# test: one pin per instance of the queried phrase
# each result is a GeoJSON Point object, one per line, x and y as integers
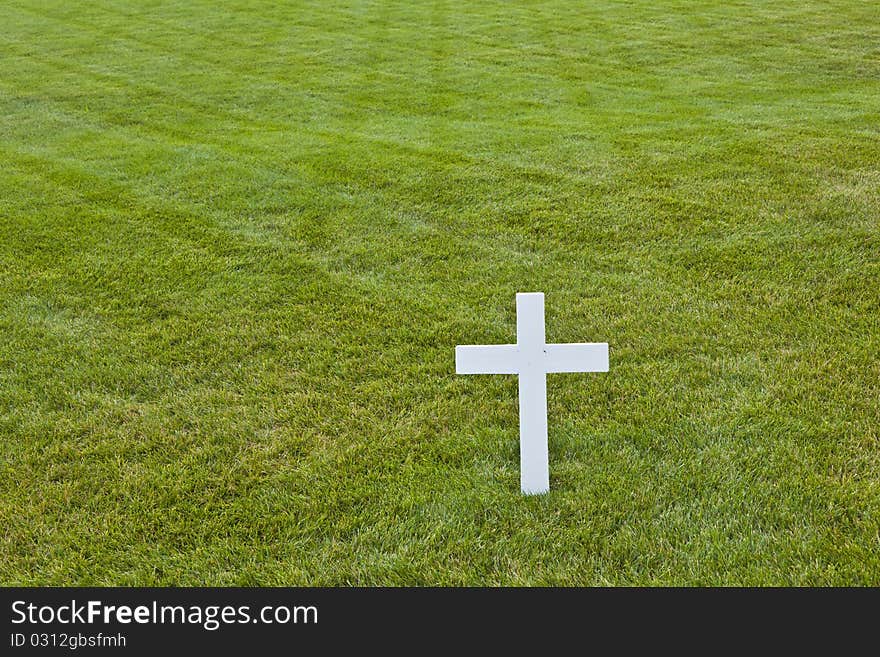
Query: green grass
{"type": "Point", "coordinates": [240, 241]}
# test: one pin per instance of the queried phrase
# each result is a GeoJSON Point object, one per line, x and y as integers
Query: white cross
{"type": "Point", "coordinates": [532, 358]}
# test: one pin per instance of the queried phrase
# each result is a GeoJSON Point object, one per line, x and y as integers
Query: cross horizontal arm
{"type": "Point", "coordinates": [577, 357]}
{"type": "Point", "coordinates": [487, 359]}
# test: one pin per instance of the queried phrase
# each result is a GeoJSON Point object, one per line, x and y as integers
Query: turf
{"type": "Point", "coordinates": [239, 242]}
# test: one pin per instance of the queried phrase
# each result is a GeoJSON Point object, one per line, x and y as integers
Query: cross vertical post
{"type": "Point", "coordinates": [534, 473]}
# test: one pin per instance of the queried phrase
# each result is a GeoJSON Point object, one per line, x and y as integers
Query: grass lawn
{"type": "Point", "coordinates": [240, 241]}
